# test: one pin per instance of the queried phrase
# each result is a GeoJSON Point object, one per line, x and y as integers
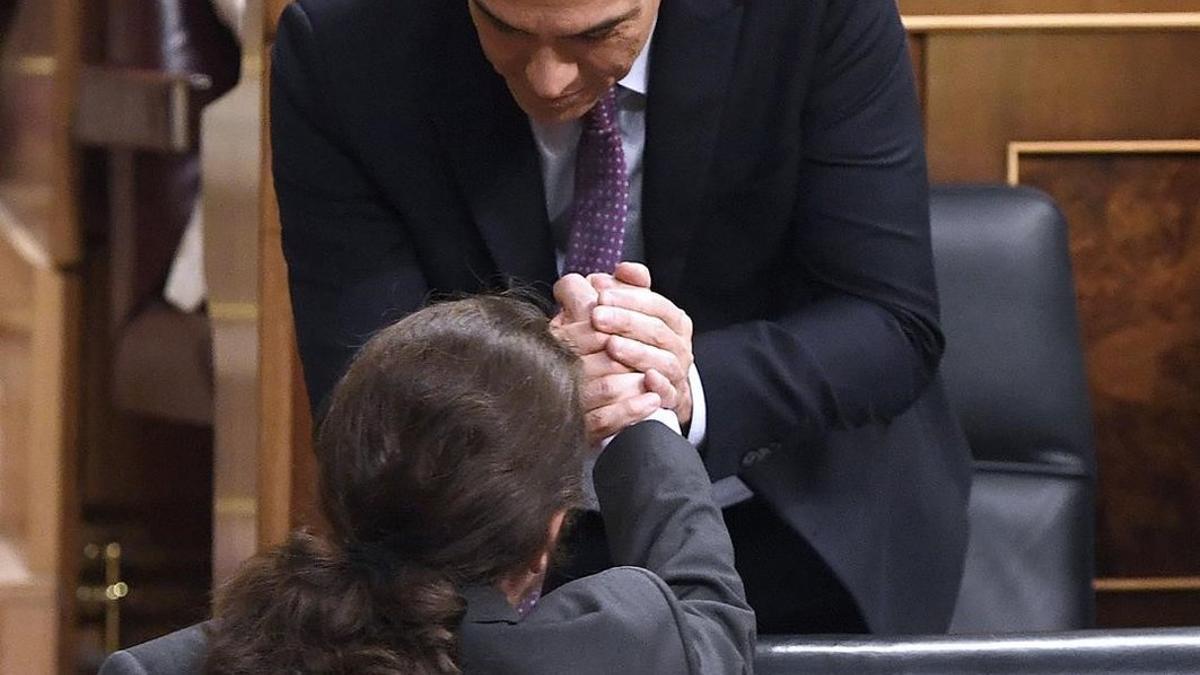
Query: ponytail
{"type": "Point", "coordinates": [452, 440]}
{"type": "Point", "coordinates": [312, 606]}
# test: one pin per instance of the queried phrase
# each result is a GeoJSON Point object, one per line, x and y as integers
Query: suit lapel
{"type": "Point", "coordinates": [690, 65]}
{"type": "Point", "coordinates": [494, 159]}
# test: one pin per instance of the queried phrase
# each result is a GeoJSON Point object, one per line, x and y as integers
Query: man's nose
{"type": "Point", "coordinates": [549, 74]}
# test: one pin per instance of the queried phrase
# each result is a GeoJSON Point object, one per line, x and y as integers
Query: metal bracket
{"type": "Point", "coordinates": [137, 109]}
{"type": "Point", "coordinates": [110, 594]}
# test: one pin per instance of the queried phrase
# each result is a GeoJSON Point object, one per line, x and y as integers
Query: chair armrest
{"type": "Point", "coordinates": [1167, 650]}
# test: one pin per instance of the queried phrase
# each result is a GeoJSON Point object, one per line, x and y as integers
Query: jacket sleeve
{"type": "Point", "coordinates": [351, 266]}
{"type": "Point", "coordinates": [863, 349]}
{"type": "Point", "coordinates": [656, 500]}
{"type": "Point", "coordinates": [122, 663]}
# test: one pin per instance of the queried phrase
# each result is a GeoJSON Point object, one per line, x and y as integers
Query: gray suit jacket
{"type": "Point", "coordinates": [676, 604]}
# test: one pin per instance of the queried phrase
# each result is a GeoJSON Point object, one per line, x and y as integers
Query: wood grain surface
{"type": "Point", "coordinates": [1135, 246]}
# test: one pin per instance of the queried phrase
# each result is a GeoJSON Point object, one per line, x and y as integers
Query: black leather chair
{"type": "Point", "coordinates": [1164, 650]}
{"type": "Point", "coordinates": [1013, 369]}
{"type": "Point", "coordinates": [1014, 372]}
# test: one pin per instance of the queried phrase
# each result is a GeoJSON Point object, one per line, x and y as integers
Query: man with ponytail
{"type": "Point", "coordinates": [449, 464]}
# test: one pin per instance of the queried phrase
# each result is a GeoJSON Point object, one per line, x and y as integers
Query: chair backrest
{"type": "Point", "coordinates": [1146, 652]}
{"type": "Point", "coordinates": [1014, 372]}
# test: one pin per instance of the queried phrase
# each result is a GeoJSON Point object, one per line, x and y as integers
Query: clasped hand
{"type": "Point", "coordinates": [636, 347]}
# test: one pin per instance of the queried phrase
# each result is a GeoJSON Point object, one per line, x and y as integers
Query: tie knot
{"type": "Point", "coordinates": [602, 117]}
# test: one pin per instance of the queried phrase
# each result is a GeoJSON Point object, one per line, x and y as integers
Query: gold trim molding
{"type": "Point", "coordinates": [1052, 22]}
{"type": "Point", "coordinates": [1151, 147]}
{"type": "Point", "coordinates": [1146, 584]}
{"type": "Point", "coordinates": [238, 507]}
{"type": "Point", "coordinates": [233, 311]}
{"type": "Point", "coordinates": [33, 66]}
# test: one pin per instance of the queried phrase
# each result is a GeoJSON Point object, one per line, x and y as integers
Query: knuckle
{"type": "Point", "coordinates": [590, 395]}
{"type": "Point", "coordinates": [595, 419]}
{"type": "Point", "coordinates": [665, 337]}
{"type": "Point", "coordinates": [631, 407]}
{"type": "Point", "coordinates": [612, 367]}
{"type": "Point", "coordinates": [605, 388]}
{"type": "Point", "coordinates": [619, 349]}
{"type": "Point", "coordinates": [685, 323]}
{"type": "Point", "coordinates": [676, 369]}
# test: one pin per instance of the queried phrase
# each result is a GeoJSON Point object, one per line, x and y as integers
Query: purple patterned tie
{"type": "Point", "coordinates": [601, 193]}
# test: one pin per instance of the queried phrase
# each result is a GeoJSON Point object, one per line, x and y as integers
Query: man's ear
{"type": "Point", "coordinates": [542, 562]}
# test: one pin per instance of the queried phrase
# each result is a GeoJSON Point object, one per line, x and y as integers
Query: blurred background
{"type": "Point", "coordinates": [153, 424]}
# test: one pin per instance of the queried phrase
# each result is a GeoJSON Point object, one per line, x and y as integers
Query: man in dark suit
{"type": "Point", "coordinates": [775, 187]}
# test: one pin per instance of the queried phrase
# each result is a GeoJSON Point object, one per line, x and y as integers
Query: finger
{"type": "Point", "coordinates": [580, 337]}
{"type": "Point", "coordinates": [608, 420]}
{"type": "Point", "coordinates": [658, 383]}
{"type": "Point", "coordinates": [648, 302]}
{"type": "Point", "coordinates": [600, 281]}
{"type": "Point", "coordinates": [643, 357]}
{"type": "Point", "coordinates": [601, 391]}
{"type": "Point", "coordinates": [633, 273]}
{"type": "Point", "coordinates": [600, 364]}
{"type": "Point", "coordinates": [641, 327]}
{"type": "Point", "coordinates": [603, 281]}
{"type": "Point", "coordinates": [575, 296]}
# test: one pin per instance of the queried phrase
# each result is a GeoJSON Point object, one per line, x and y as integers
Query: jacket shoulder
{"type": "Point", "coordinates": [617, 621]}
{"type": "Point", "coordinates": [180, 653]}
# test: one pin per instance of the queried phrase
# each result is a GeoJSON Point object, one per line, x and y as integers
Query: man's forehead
{"type": "Point", "coordinates": [560, 16]}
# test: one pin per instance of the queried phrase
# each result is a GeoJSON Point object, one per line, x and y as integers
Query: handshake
{"type": "Point", "coordinates": [635, 345]}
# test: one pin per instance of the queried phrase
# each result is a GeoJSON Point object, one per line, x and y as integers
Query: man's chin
{"type": "Point", "coordinates": [546, 113]}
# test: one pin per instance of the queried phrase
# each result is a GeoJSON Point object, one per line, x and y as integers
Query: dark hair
{"type": "Point", "coordinates": [448, 446]}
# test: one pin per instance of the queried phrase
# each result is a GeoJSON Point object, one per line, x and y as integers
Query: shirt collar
{"type": "Point", "coordinates": [637, 79]}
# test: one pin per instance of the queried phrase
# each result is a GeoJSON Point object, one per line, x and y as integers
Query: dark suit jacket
{"type": "Point", "coordinates": [785, 208]}
{"type": "Point", "coordinates": [677, 607]}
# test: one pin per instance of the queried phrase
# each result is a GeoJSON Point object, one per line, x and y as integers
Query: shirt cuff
{"type": "Point", "coordinates": [667, 417]}
{"type": "Point", "coordinates": [699, 426]}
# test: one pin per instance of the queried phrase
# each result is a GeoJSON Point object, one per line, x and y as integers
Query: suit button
{"type": "Point", "coordinates": [757, 455]}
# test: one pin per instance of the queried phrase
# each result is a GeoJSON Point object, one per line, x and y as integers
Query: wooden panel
{"type": "Point", "coordinates": [36, 468]}
{"type": "Point", "coordinates": [1134, 221]}
{"type": "Point", "coordinates": [1148, 609]}
{"type": "Point", "coordinates": [27, 69]}
{"type": "Point", "coordinates": [53, 420]}
{"type": "Point", "coordinates": [39, 325]}
{"type": "Point", "coordinates": [986, 89]}
{"type": "Point", "coordinates": [27, 629]}
{"type": "Point", "coordinates": [288, 468]}
{"type": "Point", "coordinates": [65, 236]}
{"type": "Point", "coordinates": [14, 434]}
{"type": "Point", "coordinates": [273, 9]}
{"type": "Point", "coordinates": [963, 7]}
{"type": "Point", "coordinates": [230, 143]}
{"type": "Point", "coordinates": [16, 326]}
